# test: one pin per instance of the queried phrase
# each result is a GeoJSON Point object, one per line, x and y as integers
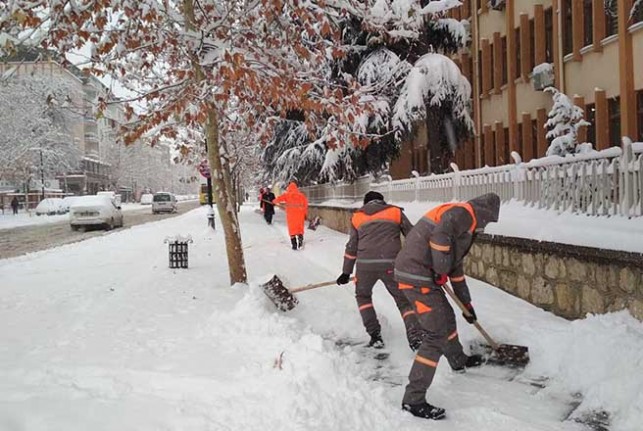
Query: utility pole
{"type": "Point", "coordinates": [209, 193]}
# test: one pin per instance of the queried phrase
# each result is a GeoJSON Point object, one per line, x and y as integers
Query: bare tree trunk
{"type": "Point", "coordinates": [220, 171]}
{"type": "Point", "coordinates": [225, 202]}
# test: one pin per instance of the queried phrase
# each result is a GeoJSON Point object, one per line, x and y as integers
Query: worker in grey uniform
{"type": "Point", "coordinates": [373, 245]}
{"type": "Point", "coordinates": [434, 252]}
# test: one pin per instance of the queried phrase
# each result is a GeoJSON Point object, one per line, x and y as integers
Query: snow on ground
{"type": "Point", "coordinates": [122, 342]}
{"type": "Point", "coordinates": [518, 220]}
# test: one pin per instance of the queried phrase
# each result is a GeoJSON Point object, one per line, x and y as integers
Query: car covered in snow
{"type": "Point", "coordinates": [100, 210]}
{"type": "Point", "coordinates": [67, 202]}
{"type": "Point", "coordinates": [50, 206]}
{"type": "Point", "coordinates": [163, 202]}
{"type": "Point", "coordinates": [147, 198]}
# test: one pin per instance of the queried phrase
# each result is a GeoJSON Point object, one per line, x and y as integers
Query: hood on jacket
{"type": "Point", "coordinates": [374, 206]}
{"type": "Point", "coordinates": [486, 208]}
{"type": "Point", "coordinates": [292, 187]}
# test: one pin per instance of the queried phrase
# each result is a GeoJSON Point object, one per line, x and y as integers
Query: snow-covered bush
{"type": "Point", "coordinates": [565, 119]}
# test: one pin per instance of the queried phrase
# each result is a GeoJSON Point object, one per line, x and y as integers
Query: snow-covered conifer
{"type": "Point", "coordinates": [565, 119]}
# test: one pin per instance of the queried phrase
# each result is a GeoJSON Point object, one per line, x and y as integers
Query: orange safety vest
{"type": "Point", "coordinates": [435, 215]}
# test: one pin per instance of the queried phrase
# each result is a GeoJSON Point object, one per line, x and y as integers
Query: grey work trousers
{"type": "Point", "coordinates": [364, 283]}
{"type": "Point", "coordinates": [437, 319]}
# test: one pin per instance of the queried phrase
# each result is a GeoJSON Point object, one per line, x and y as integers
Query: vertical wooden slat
{"type": "Point", "coordinates": [582, 132]}
{"type": "Point", "coordinates": [598, 20]}
{"type": "Point", "coordinates": [497, 63]}
{"type": "Point", "coordinates": [626, 75]}
{"type": "Point", "coordinates": [540, 55]}
{"type": "Point", "coordinates": [488, 145]}
{"type": "Point", "coordinates": [577, 28]}
{"type": "Point", "coordinates": [527, 138]}
{"type": "Point", "coordinates": [486, 66]}
{"type": "Point", "coordinates": [484, 7]}
{"type": "Point", "coordinates": [602, 120]}
{"type": "Point", "coordinates": [466, 67]}
{"type": "Point", "coordinates": [541, 120]}
{"type": "Point", "coordinates": [500, 144]}
{"type": "Point", "coordinates": [557, 63]}
{"type": "Point", "coordinates": [511, 73]}
{"type": "Point", "coordinates": [466, 9]}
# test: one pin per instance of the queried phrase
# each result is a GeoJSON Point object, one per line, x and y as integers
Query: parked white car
{"type": "Point", "coordinates": [163, 202]}
{"type": "Point", "coordinates": [147, 198]}
{"type": "Point", "coordinates": [50, 206]}
{"type": "Point", "coordinates": [68, 202]}
{"type": "Point", "coordinates": [113, 195]}
{"type": "Point", "coordinates": [100, 210]}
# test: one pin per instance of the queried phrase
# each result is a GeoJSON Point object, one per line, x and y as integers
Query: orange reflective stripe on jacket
{"type": "Point", "coordinates": [390, 215]}
{"type": "Point", "coordinates": [436, 213]}
{"type": "Point", "coordinates": [426, 361]}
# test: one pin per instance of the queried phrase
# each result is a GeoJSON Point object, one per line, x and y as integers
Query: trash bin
{"type": "Point", "coordinates": [178, 249]}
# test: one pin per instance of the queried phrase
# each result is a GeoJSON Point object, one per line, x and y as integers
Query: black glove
{"type": "Point", "coordinates": [343, 279]}
{"type": "Point", "coordinates": [440, 279]}
{"type": "Point", "coordinates": [472, 318]}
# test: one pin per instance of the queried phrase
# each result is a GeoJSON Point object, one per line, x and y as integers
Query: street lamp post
{"type": "Point", "coordinates": [42, 175]}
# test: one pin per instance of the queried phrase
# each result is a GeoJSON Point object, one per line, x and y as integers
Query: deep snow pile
{"type": "Point", "coordinates": [101, 335]}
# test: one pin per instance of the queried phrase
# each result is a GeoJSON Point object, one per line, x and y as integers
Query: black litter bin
{"type": "Point", "coordinates": [178, 249]}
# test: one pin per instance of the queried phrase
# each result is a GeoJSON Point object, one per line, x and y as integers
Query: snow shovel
{"type": "Point", "coordinates": [282, 297]}
{"type": "Point", "coordinates": [500, 354]}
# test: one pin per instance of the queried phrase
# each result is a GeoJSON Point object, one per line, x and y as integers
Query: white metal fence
{"type": "Point", "coordinates": [602, 183]}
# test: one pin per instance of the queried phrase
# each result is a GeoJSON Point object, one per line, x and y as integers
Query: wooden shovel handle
{"type": "Point", "coordinates": [467, 313]}
{"type": "Point", "coordinates": [315, 286]}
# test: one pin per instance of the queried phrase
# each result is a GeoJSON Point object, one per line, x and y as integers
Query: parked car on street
{"type": "Point", "coordinates": [113, 195]}
{"type": "Point", "coordinates": [68, 202]}
{"type": "Point", "coordinates": [146, 199]}
{"type": "Point", "coordinates": [99, 210]}
{"type": "Point", "coordinates": [50, 206]}
{"type": "Point", "coordinates": [163, 202]}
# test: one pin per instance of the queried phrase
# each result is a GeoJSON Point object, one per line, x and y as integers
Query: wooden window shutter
{"type": "Point", "coordinates": [527, 138]}
{"type": "Point", "coordinates": [578, 26]}
{"type": "Point", "coordinates": [500, 144]}
{"type": "Point", "coordinates": [488, 145]}
{"type": "Point", "coordinates": [541, 120]}
{"type": "Point", "coordinates": [582, 132]}
{"type": "Point", "coordinates": [486, 66]}
{"type": "Point", "coordinates": [598, 11]}
{"type": "Point", "coordinates": [525, 47]}
{"type": "Point", "coordinates": [541, 41]}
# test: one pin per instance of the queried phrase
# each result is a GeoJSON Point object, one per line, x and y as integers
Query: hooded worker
{"type": "Point", "coordinates": [373, 244]}
{"type": "Point", "coordinates": [432, 254]}
{"type": "Point", "coordinates": [296, 206]}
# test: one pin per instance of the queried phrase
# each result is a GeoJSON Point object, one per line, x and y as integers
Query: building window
{"type": "Point", "coordinates": [517, 53]}
{"type": "Point", "coordinates": [568, 30]}
{"type": "Point", "coordinates": [588, 16]}
{"type": "Point", "coordinates": [534, 139]}
{"type": "Point", "coordinates": [532, 45]}
{"type": "Point", "coordinates": [640, 113]}
{"type": "Point", "coordinates": [503, 60]}
{"type": "Point", "coordinates": [611, 17]}
{"type": "Point", "coordinates": [590, 115]}
{"type": "Point", "coordinates": [549, 36]}
{"type": "Point", "coordinates": [614, 110]}
{"type": "Point", "coordinates": [637, 13]}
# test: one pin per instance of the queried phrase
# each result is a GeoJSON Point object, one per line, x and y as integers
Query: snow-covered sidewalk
{"type": "Point", "coordinates": [102, 335]}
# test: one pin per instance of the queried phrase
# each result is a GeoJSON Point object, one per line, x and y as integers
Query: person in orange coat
{"type": "Point", "coordinates": [296, 206]}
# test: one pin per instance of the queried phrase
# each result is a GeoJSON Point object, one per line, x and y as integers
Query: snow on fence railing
{"type": "Point", "coordinates": [607, 182]}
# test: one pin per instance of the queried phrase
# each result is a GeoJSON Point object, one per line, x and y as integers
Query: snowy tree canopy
{"type": "Point", "coordinates": [565, 119]}
{"type": "Point", "coordinates": [37, 113]}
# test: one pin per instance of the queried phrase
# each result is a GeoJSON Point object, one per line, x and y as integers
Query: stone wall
{"type": "Point", "coordinates": [569, 281]}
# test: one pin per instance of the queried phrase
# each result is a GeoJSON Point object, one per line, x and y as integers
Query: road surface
{"type": "Point", "coordinates": [27, 239]}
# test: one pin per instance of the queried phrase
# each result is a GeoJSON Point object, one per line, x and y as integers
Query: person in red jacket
{"type": "Point", "coordinates": [296, 206]}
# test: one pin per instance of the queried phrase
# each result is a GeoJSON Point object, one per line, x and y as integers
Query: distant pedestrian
{"type": "Point", "coordinates": [14, 205]}
{"type": "Point", "coordinates": [296, 211]}
{"type": "Point", "coordinates": [268, 206]}
{"type": "Point", "coordinates": [261, 198]}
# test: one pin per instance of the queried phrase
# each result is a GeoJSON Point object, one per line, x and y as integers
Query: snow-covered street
{"type": "Point", "coordinates": [102, 335]}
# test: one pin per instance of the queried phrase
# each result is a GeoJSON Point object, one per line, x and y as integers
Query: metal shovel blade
{"type": "Point", "coordinates": [509, 355]}
{"type": "Point", "coordinates": [279, 294]}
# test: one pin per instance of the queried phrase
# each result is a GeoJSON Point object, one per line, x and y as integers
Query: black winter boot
{"type": "Point", "coordinates": [300, 241]}
{"type": "Point", "coordinates": [376, 341]}
{"type": "Point", "coordinates": [293, 241]}
{"type": "Point", "coordinates": [425, 410]}
{"type": "Point", "coordinates": [472, 361]}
